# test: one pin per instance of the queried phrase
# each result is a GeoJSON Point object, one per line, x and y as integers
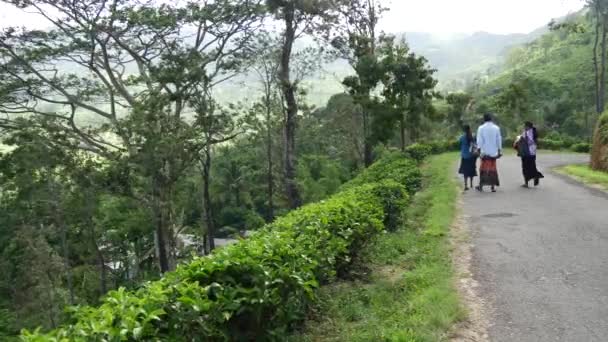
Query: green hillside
{"type": "Point", "coordinates": [549, 80]}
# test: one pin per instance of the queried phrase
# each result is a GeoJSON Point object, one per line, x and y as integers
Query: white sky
{"type": "Point", "coordinates": [468, 16]}
{"type": "Point", "coordinates": [434, 16]}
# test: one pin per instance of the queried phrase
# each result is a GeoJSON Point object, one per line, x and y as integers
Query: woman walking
{"type": "Point", "coordinates": [526, 145]}
{"type": "Point", "coordinates": [468, 154]}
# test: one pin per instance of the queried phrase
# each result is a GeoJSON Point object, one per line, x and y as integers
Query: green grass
{"type": "Point", "coordinates": [586, 175]}
{"type": "Point", "coordinates": [408, 292]}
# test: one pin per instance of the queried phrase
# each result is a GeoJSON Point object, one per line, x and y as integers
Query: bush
{"type": "Point", "coordinates": [418, 152]}
{"type": "Point", "coordinates": [581, 147]}
{"type": "Point", "coordinates": [507, 143]}
{"type": "Point", "coordinates": [438, 147]}
{"type": "Point", "coordinates": [553, 145]}
{"type": "Point", "coordinates": [395, 166]}
{"type": "Point", "coordinates": [258, 288]}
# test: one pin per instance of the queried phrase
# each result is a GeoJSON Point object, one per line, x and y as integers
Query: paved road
{"type": "Point", "coordinates": [541, 255]}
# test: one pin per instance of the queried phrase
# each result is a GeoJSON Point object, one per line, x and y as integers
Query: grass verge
{"type": "Point", "coordinates": [586, 175]}
{"type": "Point", "coordinates": [407, 293]}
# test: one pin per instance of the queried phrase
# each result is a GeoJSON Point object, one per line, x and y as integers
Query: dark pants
{"type": "Point", "coordinates": [529, 170]}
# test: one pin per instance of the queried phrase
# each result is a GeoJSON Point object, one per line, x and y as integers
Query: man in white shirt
{"type": "Point", "coordinates": [489, 143]}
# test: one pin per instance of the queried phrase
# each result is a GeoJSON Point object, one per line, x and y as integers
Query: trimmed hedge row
{"type": "Point", "coordinates": [420, 151]}
{"type": "Point", "coordinates": [393, 166]}
{"type": "Point", "coordinates": [259, 288]}
{"type": "Point", "coordinates": [556, 145]}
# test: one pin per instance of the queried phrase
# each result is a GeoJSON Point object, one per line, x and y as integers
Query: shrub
{"type": "Point", "coordinates": [258, 288]}
{"type": "Point", "coordinates": [395, 166]}
{"type": "Point", "coordinates": [581, 147]}
{"type": "Point", "coordinates": [507, 143]}
{"type": "Point", "coordinates": [418, 152]}
{"type": "Point", "coordinates": [566, 140]}
{"type": "Point", "coordinates": [438, 147]}
{"type": "Point", "coordinates": [554, 145]}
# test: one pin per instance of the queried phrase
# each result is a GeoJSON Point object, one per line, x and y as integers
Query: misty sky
{"type": "Point", "coordinates": [468, 16]}
{"type": "Point", "coordinates": [435, 16]}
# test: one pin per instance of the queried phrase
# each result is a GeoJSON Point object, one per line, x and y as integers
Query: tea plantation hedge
{"type": "Point", "coordinates": [258, 288]}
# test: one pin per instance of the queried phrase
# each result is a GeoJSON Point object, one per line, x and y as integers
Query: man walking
{"type": "Point", "coordinates": [489, 142]}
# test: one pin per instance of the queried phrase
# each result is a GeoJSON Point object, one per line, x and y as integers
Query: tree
{"type": "Point", "coordinates": [340, 127]}
{"type": "Point", "coordinates": [599, 10]}
{"type": "Point", "coordinates": [514, 102]}
{"type": "Point", "coordinates": [459, 104]}
{"type": "Point", "coordinates": [356, 41]}
{"type": "Point", "coordinates": [127, 67]}
{"type": "Point", "coordinates": [408, 86]}
{"type": "Point", "coordinates": [217, 126]}
{"type": "Point", "coordinates": [298, 17]}
{"type": "Point", "coordinates": [267, 68]}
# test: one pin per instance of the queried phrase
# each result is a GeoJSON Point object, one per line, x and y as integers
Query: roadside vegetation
{"type": "Point", "coordinates": [122, 164]}
{"type": "Point", "coordinates": [404, 291]}
{"type": "Point", "coordinates": [587, 175]}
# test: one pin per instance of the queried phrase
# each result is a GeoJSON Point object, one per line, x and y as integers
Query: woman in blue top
{"type": "Point", "coordinates": [468, 153]}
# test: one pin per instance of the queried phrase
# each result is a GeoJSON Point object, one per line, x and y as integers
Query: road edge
{"type": "Point", "coordinates": [475, 327]}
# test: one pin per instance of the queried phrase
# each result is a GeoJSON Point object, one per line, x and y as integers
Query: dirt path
{"type": "Point", "coordinates": [540, 256]}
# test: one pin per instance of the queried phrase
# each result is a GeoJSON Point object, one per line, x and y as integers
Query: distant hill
{"type": "Point", "coordinates": [458, 59]}
{"type": "Point", "coordinates": [554, 73]}
{"type": "Point", "coordinates": [561, 58]}
{"type": "Point", "coordinates": [462, 56]}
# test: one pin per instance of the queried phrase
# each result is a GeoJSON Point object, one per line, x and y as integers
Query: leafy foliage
{"type": "Point", "coordinates": [259, 287]}
{"type": "Point", "coordinates": [599, 153]}
{"type": "Point", "coordinates": [549, 81]}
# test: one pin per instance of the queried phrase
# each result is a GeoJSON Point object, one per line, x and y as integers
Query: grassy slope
{"type": "Point", "coordinates": [586, 175]}
{"type": "Point", "coordinates": [408, 294]}
{"type": "Point", "coordinates": [561, 59]}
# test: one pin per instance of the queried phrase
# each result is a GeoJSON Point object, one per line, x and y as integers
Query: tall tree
{"type": "Point", "coordinates": [267, 69]}
{"type": "Point", "coordinates": [128, 67]}
{"type": "Point", "coordinates": [408, 86]}
{"type": "Point", "coordinates": [459, 105]}
{"type": "Point", "coordinates": [299, 17]}
{"type": "Point", "coordinates": [216, 125]}
{"type": "Point", "coordinates": [356, 42]}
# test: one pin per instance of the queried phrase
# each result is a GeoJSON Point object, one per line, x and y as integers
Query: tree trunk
{"type": "Point", "coordinates": [51, 301]}
{"type": "Point", "coordinates": [161, 224]}
{"type": "Point", "coordinates": [270, 177]}
{"type": "Point", "coordinates": [66, 263]}
{"type": "Point", "coordinates": [207, 209]}
{"type": "Point", "coordinates": [596, 68]}
{"type": "Point", "coordinates": [368, 157]}
{"type": "Point", "coordinates": [402, 130]}
{"type": "Point", "coordinates": [368, 142]}
{"type": "Point", "coordinates": [289, 93]}
{"type": "Point", "coordinates": [237, 195]}
{"type": "Point", "coordinates": [60, 224]}
{"type": "Point", "coordinates": [101, 263]}
{"type": "Point", "coordinates": [602, 87]}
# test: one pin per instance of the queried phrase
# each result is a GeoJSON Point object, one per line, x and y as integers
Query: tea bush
{"type": "Point", "coordinates": [554, 145]}
{"type": "Point", "coordinates": [581, 147]}
{"type": "Point", "coordinates": [395, 166]}
{"type": "Point", "coordinates": [438, 147]}
{"type": "Point", "coordinates": [418, 152]}
{"type": "Point", "coordinates": [258, 288]}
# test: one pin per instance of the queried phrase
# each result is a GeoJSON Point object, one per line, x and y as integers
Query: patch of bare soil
{"type": "Point", "coordinates": [475, 327]}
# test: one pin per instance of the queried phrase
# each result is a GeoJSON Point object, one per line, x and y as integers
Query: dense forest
{"type": "Point", "coordinates": [120, 162]}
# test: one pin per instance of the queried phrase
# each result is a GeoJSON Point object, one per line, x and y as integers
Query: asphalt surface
{"type": "Point", "coordinates": [541, 255]}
